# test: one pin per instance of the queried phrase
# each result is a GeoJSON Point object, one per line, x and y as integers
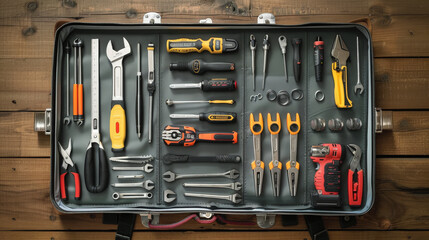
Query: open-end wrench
{"type": "Point", "coordinates": [169, 196]}
{"type": "Point", "coordinates": [146, 168]}
{"type": "Point", "coordinates": [235, 198]}
{"type": "Point", "coordinates": [358, 85]}
{"type": "Point", "coordinates": [67, 119]}
{"type": "Point", "coordinates": [170, 176]}
{"type": "Point", "coordinates": [233, 186]}
{"type": "Point", "coordinates": [117, 195]}
{"type": "Point", "coordinates": [148, 185]}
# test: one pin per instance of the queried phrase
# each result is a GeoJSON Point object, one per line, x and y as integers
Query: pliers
{"type": "Point", "coordinates": [292, 165]}
{"type": "Point", "coordinates": [257, 165]}
{"type": "Point", "coordinates": [340, 54]}
{"type": "Point", "coordinates": [67, 161]}
{"type": "Point", "coordinates": [275, 165]}
{"type": "Point", "coordinates": [355, 177]}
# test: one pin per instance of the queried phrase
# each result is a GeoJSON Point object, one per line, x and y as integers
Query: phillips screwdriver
{"type": "Point", "coordinates": [198, 66]}
{"type": "Point", "coordinates": [212, 117]}
{"type": "Point", "coordinates": [296, 43]}
{"type": "Point", "coordinates": [213, 85]}
{"type": "Point", "coordinates": [139, 96]}
{"type": "Point", "coordinates": [170, 102]}
{"type": "Point", "coordinates": [318, 58]}
{"type": "Point", "coordinates": [173, 158]}
{"type": "Point", "coordinates": [214, 45]}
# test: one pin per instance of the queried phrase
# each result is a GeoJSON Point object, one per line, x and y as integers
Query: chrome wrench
{"type": "Point", "coordinates": [147, 168]}
{"type": "Point", "coordinates": [148, 185]}
{"type": "Point", "coordinates": [233, 186]}
{"type": "Point", "coordinates": [170, 176]}
{"type": "Point", "coordinates": [235, 198]}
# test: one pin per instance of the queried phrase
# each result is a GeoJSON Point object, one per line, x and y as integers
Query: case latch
{"type": "Point", "coordinates": [206, 21]}
{"type": "Point", "coordinates": [152, 18]}
{"type": "Point", "coordinates": [265, 220]}
{"type": "Point", "coordinates": [266, 18]}
{"type": "Point", "coordinates": [152, 218]}
{"type": "Point", "coordinates": [42, 121]}
{"type": "Point", "coordinates": [383, 120]}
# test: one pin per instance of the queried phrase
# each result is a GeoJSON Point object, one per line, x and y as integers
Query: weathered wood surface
{"type": "Point", "coordinates": [399, 31]}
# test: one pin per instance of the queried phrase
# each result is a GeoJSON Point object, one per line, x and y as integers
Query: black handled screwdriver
{"type": "Point", "coordinates": [296, 44]}
{"type": "Point", "coordinates": [318, 58]}
{"type": "Point", "coordinates": [173, 158]}
{"type": "Point", "coordinates": [198, 66]}
{"type": "Point", "coordinates": [211, 117]}
{"type": "Point", "coordinates": [139, 96]}
{"type": "Point", "coordinates": [212, 85]}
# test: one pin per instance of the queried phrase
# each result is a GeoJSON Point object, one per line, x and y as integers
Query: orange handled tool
{"type": "Point", "coordinates": [78, 83]}
{"type": "Point", "coordinates": [188, 136]}
{"type": "Point", "coordinates": [257, 165]}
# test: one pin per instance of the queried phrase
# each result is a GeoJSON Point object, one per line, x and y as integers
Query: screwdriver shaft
{"type": "Point", "coordinates": [185, 85]}
{"type": "Point", "coordinates": [189, 116]}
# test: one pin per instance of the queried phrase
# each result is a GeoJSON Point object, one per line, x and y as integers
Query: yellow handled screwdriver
{"type": "Point", "coordinates": [214, 45]}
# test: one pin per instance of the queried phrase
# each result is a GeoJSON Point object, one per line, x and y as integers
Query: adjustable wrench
{"type": "Point", "coordinates": [117, 113]}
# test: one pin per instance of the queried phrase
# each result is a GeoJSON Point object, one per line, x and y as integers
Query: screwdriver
{"type": "Point", "coordinates": [212, 85]}
{"type": "Point", "coordinates": [296, 43]}
{"type": "Point", "coordinates": [139, 96]}
{"type": "Point", "coordinates": [214, 45]}
{"type": "Point", "coordinates": [198, 66]}
{"type": "Point", "coordinates": [170, 102]}
{"type": "Point", "coordinates": [211, 117]}
{"type": "Point", "coordinates": [318, 58]}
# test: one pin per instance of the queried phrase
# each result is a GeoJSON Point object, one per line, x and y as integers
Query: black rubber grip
{"type": "Point", "coordinates": [139, 104]}
{"type": "Point", "coordinates": [95, 152]}
{"type": "Point", "coordinates": [296, 44]}
{"type": "Point", "coordinates": [318, 58]}
{"type": "Point", "coordinates": [218, 117]}
{"type": "Point", "coordinates": [198, 66]}
{"type": "Point", "coordinates": [214, 85]}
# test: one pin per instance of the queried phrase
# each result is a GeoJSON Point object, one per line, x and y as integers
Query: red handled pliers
{"type": "Point", "coordinates": [355, 177]}
{"type": "Point", "coordinates": [67, 161]}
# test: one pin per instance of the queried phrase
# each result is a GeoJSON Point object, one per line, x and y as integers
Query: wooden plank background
{"type": "Point", "coordinates": [400, 34]}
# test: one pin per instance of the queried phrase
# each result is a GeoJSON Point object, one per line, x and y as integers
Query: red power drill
{"type": "Point", "coordinates": [328, 157]}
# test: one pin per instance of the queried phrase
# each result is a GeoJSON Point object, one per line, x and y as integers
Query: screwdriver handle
{"type": "Point", "coordinates": [218, 84]}
{"type": "Point", "coordinates": [78, 102]}
{"type": "Point", "coordinates": [296, 44]}
{"type": "Point", "coordinates": [318, 58]}
{"type": "Point", "coordinates": [221, 101]}
{"type": "Point", "coordinates": [227, 137]}
{"type": "Point", "coordinates": [224, 158]}
{"type": "Point", "coordinates": [198, 66]}
{"type": "Point", "coordinates": [214, 45]}
{"type": "Point", "coordinates": [218, 117]}
{"type": "Point", "coordinates": [117, 126]}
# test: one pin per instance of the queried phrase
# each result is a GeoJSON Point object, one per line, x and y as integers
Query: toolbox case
{"type": "Point", "coordinates": [308, 108]}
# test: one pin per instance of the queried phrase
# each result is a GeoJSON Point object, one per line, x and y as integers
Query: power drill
{"type": "Point", "coordinates": [327, 180]}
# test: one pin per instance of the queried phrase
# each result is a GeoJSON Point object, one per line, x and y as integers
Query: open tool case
{"type": "Point", "coordinates": [308, 108]}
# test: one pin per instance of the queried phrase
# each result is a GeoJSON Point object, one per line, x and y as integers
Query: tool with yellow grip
{"type": "Point", "coordinates": [292, 165]}
{"type": "Point", "coordinates": [340, 54]}
{"type": "Point", "coordinates": [257, 165]}
{"type": "Point", "coordinates": [275, 165]}
{"type": "Point", "coordinates": [117, 113]}
{"type": "Point", "coordinates": [214, 45]}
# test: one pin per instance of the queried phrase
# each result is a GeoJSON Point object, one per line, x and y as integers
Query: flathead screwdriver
{"type": "Point", "coordinates": [212, 117]}
{"type": "Point", "coordinates": [139, 96]}
{"type": "Point", "coordinates": [212, 85]}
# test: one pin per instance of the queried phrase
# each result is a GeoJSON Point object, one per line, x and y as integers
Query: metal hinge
{"type": "Point", "coordinates": [206, 215]}
{"type": "Point", "coordinates": [152, 218]}
{"type": "Point", "coordinates": [266, 18]}
{"type": "Point", "coordinates": [42, 121]}
{"type": "Point", "coordinates": [383, 120]}
{"type": "Point", "coordinates": [206, 21]}
{"type": "Point", "coordinates": [265, 220]}
{"type": "Point", "coordinates": [152, 18]}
